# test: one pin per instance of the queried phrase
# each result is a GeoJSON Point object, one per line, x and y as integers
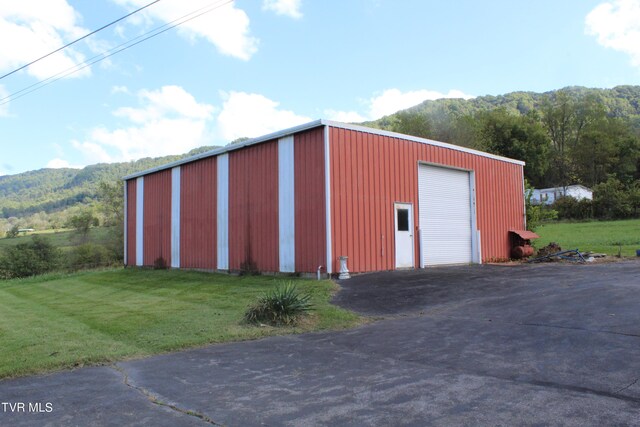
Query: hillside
{"type": "Point", "coordinates": [621, 102]}
{"type": "Point", "coordinates": [54, 190]}
{"type": "Point", "coordinates": [572, 135]}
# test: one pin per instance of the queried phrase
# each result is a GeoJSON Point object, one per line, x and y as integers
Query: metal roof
{"type": "Point", "coordinates": [314, 124]}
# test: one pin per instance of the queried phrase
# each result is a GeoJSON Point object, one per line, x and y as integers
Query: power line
{"type": "Point", "coordinates": [77, 40]}
{"type": "Point", "coordinates": [124, 46]}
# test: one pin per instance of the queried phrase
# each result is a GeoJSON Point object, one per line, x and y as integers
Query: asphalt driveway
{"type": "Point", "coordinates": [476, 345]}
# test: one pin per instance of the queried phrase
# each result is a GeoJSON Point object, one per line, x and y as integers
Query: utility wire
{"type": "Point", "coordinates": [124, 46]}
{"type": "Point", "coordinates": [77, 40]}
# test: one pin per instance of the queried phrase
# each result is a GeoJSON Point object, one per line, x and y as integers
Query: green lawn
{"type": "Point", "coordinates": [595, 236]}
{"type": "Point", "coordinates": [60, 321]}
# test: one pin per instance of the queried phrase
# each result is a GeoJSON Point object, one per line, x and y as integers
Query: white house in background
{"type": "Point", "coordinates": [549, 195]}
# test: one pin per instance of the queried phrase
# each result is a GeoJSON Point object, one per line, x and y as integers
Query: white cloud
{"type": "Point", "coordinates": [169, 121]}
{"type": "Point", "coordinates": [226, 27]}
{"type": "Point", "coordinates": [251, 115]}
{"type": "Point", "coordinates": [35, 28]}
{"type": "Point", "coordinates": [344, 116]}
{"type": "Point", "coordinates": [289, 8]}
{"type": "Point", "coordinates": [616, 25]}
{"type": "Point", "coordinates": [58, 163]}
{"type": "Point", "coordinates": [391, 101]}
{"type": "Point", "coordinates": [120, 89]}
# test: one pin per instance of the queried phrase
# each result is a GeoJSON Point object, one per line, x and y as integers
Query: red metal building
{"type": "Point", "coordinates": [296, 200]}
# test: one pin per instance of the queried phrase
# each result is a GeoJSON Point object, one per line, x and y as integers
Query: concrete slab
{"type": "Point", "coordinates": [473, 345]}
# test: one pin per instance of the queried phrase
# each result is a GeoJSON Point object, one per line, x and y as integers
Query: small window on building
{"type": "Point", "coordinates": [403, 219]}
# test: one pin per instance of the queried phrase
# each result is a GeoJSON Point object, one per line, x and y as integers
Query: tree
{"type": "Point", "coordinates": [13, 231]}
{"type": "Point", "coordinates": [517, 137]}
{"type": "Point", "coordinates": [81, 223]}
{"type": "Point", "coordinates": [111, 197]}
{"type": "Point", "coordinates": [29, 259]}
{"type": "Point", "coordinates": [411, 123]}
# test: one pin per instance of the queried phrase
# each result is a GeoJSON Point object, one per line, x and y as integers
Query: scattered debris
{"type": "Point", "coordinates": [551, 248]}
{"type": "Point", "coordinates": [570, 255]}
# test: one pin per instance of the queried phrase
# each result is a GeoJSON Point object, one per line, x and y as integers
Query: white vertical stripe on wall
{"type": "Point", "coordinates": [327, 192]}
{"type": "Point", "coordinates": [139, 220]}
{"type": "Point", "coordinates": [223, 211]}
{"type": "Point", "coordinates": [175, 217]}
{"type": "Point", "coordinates": [126, 221]}
{"type": "Point", "coordinates": [286, 205]}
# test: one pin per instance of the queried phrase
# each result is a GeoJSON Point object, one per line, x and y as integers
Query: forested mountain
{"type": "Point", "coordinates": [46, 192]}
{"type": "Point", "coordinates": [574, 135]}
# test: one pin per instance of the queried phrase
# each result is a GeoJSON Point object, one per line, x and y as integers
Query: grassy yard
{"type": "Point", "coordinates": [595, 236]}
{"type": "Point", "coordinates": [61, 321]}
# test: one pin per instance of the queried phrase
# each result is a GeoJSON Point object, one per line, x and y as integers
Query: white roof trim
{"type": "Point", "coordinates": [314, 124]}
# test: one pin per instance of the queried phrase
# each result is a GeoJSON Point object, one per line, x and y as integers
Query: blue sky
{"type": "Point", "coordinates": [252, 67]}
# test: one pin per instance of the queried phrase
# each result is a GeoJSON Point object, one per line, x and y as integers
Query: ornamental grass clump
{"type": "Point", "coordinates": [282, 306]}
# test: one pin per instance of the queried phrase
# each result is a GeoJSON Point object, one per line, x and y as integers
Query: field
{"type": "Point", "coordinates": [62, 321]}
{"type": "Point", "coordinates": [59, 238]}
{"type": "Point", "coordinates": [596, 236]}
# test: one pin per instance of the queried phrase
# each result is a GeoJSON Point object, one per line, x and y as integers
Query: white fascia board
{"type": "Point", "coordinates": [315, 124]}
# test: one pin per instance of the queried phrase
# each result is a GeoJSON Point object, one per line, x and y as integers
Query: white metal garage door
{"type": "Point", "coordinates": [445, 215]}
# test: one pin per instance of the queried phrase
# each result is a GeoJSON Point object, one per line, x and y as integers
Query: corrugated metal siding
{"type": "Point", "coordinates": [310, 221]}
{"type": "Point", "coordinates": [198, 187]}
{"type": "Point", "coordinates": [157, 217]}
{"type": "Point", "coordinates": [131, 222]}
{"type": "Point", "coordinates": [370, 172]}
{"type": "Point", "coordinates": [253, 207]}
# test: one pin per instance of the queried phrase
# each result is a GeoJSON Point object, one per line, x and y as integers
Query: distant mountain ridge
{"type": "Point", "coordinates": [50, 190]}
{"type": "Point", "coordinates": [54, 190]}
{"type": "Point", "coordinates": [620, 101]}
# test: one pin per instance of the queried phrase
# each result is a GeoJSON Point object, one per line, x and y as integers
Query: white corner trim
{"type": "Point", "coordinates": [126, 221]}
{"type": "Point", "coordinates": [222, 217]}
{"type": "Point", "coordinates": [286, 205]}
{"type": "Point", "coordinates": [175, 217]}
{"type": "Point", "coordinates": [327, 192]}
{"type": "Point", "coordinates": [140, 221]}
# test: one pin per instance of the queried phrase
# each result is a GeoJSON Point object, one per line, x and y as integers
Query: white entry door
{"type": "Point", "coordinates": [404, 235]}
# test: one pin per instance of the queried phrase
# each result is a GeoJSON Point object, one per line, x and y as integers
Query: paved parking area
{"type": "Point", "coordinates": [473, 345]}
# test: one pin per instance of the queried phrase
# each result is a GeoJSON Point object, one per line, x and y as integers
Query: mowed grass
{"type": "Point", "coordinates": [595, 236]}
{"type": "Point", "coordinates": [62, 321]}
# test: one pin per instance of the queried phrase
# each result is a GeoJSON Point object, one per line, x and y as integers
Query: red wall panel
{"type": "Point", "coordinates": [310, 199]}
{"type": "Point", "coordinates": [370, 172]}
{"type": "Point", "coordinates": [131, 223]}
{"type": "Point", "coordinates": [253, 207]}
{"type": "Point", "coordinates": [198, 227]}
{"type": "Point", "coordinates": [157, 217]}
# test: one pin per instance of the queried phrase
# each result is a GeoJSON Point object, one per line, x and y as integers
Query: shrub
{"type": "Point", "coordinates": [536, 214]}
{"type": "Point", "coordinates": [13, 232]}
{"type": "Point", "coordinates": [89, 255]}
{"type": "Point", "coordinates": [29, 259]}
{"type": "Point", "coordinates": [570, 208]}
{"type": "Point", "coordinates": [281, 306]}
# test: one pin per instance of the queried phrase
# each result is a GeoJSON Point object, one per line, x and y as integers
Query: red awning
{"type": "Point", "coordinates": [525, 234]}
